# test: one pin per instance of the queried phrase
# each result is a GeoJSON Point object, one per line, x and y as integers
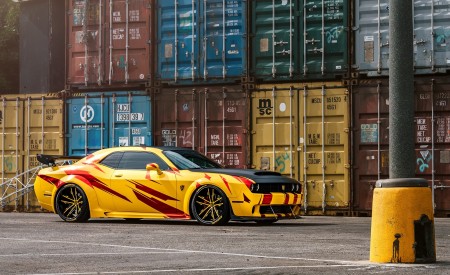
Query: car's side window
{"type": "Point", "coordinates": [112, 160]}
{"type": "Point", "coordinates": [139, 160]}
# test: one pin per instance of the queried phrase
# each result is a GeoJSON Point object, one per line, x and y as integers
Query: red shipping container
{"type": "Point", "coordinates": [371, 138]}
{"type": "Point", "coordinates": [110, 42]}
{"type": "Point", "coordinates": [211, 119]}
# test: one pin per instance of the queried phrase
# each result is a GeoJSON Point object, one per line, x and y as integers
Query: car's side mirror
{"type": "Point", "coordinates": [154, 167]}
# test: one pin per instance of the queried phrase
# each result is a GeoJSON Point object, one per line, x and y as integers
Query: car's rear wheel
{"type": "Point", "coordinates": [71, 204]}
{"type": "Point", "coordinates": [210, 206]}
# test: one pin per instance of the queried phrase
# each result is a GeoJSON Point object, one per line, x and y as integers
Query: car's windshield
{"type": "Point", "coordinates": [185, 159]}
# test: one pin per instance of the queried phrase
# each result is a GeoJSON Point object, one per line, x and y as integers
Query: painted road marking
{"type": "Point", "coordinates": [337, 263]}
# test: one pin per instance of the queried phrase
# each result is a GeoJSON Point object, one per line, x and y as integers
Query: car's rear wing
{"type": "Point", "coordinates": [50, 160]}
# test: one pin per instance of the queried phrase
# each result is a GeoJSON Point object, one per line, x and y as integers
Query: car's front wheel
{"type": "Point", "coordinates": [71, 204]}
{"type": "Point", "coordinates": [210, 206]}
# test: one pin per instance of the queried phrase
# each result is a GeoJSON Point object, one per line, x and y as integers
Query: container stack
{"type": "Point", "coordinates": [370, 98]}
{"type": "Point", "coordinates": [294, 86]}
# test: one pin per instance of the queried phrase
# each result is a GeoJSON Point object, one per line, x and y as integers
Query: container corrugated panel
{"type": "Point", "coordinates": [302, 131]}
{"type": "Point", "coordinates": [98, 120]}
{"type": "Point", "coordinates": [223, 32]}
{"type": "Point", "coordinates": [43, 128]}
{"type": "Point", "coordinates": [12, 145]}
{"type": "Point", "coordinates": [275, 57]}
{"type": "Point", "coordinates": [431, 35]}
{"type": "Point", "coordinates": [201, 41]}
{"type": "Point", "coordinates": [110, 43]}
{"type": "Point", "coordinates": [131, 56]}
{"type": "Point", "coordinates": [371, 151]}
{"type": "Point", "coordinates": [275, 129]}
{"type": "Point", "coordinates": [31, 124]}
{"type": "Point", "coordinates": [84, 61]}
{"type": "Point", "coordinates": [299, 39]}
{"type": "Point", "coordinates": [210, 119]}
{"type": "Point", "coordinates": [325, 141]}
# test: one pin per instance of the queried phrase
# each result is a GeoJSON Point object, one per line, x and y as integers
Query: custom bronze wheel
{"type": "Point", "coordinates": [71, 204]}
{"type": "Point", "coordinates": [209, 206]}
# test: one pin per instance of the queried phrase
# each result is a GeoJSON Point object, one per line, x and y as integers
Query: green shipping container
{"type": "Point", "coordinates": [299, 40]}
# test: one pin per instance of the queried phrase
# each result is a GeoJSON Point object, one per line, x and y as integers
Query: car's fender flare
{"type": "Point", "coordinates": [193, 187]}
{"type": "Point", "coordinates": [94, 207]}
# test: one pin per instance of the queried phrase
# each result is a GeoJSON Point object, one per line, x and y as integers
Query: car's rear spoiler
{"type": "Point", "coordinates": [50, 160]}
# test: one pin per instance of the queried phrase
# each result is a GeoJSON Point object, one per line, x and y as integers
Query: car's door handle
{"type": "Point", "coordinates": [118, 175]}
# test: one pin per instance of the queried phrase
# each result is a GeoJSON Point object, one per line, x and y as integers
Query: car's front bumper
{"type": "Point", "coordinates": [267, 206]}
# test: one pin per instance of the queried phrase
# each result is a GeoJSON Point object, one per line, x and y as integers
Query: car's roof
{"type": "Point", "coordinates": [162, 148]}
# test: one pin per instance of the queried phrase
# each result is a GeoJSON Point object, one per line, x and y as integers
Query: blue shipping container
{"type": "Point", "coordinates": [102, 120]}
{"type": "Point", "coordinates": [201, 41]}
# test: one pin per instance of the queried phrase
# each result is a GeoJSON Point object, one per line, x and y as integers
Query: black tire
{"type": "Point", "coordinates": [209, 206]}
{"type": "Point", "coordinates": [71, 204]}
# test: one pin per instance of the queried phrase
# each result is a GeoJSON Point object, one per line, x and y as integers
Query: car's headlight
{"type": "Point", "coordinates": [248, 182]}
{"type": "Point", "coordinates": [254, 187]}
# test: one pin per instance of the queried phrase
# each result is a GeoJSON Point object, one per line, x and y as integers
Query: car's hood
{"type": "Point", "coordinates": [258, 176]}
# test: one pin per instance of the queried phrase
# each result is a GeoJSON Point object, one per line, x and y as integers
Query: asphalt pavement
{"type": "Point", "coordinates": [41, 243]}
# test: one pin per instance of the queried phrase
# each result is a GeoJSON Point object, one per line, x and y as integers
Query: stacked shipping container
{"type": "Point", "coordinates": [302, 130]}
{"type": "Point", "coordinates": [258, 84]}
{"type": "Point", "coordinates": [210, 119]}
{"type": "Point", "coordinates": [30, 125]}
{"type": "Point", "coordinates": [201, 41]}
{"type": "Point", "coordinates": [110, 43]}
{"type": "Point", "coordinates": [298, 40]}
{"type": "Point", "coordinates": [431, 35]}
{"type": "Point", "coordinates": [371, 147]}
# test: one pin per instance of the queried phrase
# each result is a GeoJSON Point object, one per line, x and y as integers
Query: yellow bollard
{"type": "Point", "coordinates": [402, 222]}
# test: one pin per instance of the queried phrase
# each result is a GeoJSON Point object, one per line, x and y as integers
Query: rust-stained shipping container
{"type": "Point", "coordinates": [210, 119]}
{"type": "Point", "coordinates": [302, 130]}
{"type": "Point", "coordinates": [110, 43]}
{"type": "Point", "coordinates": [30, 125]}
{"type": "Point", "coordinates": [371, 139]}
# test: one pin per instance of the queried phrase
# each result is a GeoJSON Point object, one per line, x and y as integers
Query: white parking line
{"type": "Point", "coordinates": [86, 254]}
{"type": "Point", "coordinates": [198, 269]}
{"type": "Point", "coordinates": [185, 251]}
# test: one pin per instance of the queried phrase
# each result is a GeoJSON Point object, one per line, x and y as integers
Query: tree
{"type": "Point", "coordinates": [9, 47]}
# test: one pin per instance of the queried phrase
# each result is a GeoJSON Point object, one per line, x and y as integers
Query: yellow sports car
{"type": "Point", "coordinates": [163, 182]}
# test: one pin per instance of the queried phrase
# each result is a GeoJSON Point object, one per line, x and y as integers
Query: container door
{"type": "Point", "coordinates": [223, 39]}
{"type": "Point", "coordinates": [440, 55]}
{"type": "Point", "coordinates": [176, 118]}
{"type": "Point", "coordinates": [128, 40]}
{"type": "Point", "coordinates": [85, 37]}
{"type": "Point", "coordinates": [178, 45]}
{"type": "Point", "coordinates": [325, 140]}
{"type": "Point", "coordinates": [87, 119]}
{"type": "Point", "coordinates": [11, 122]}
{"type": "Point", "coordinates": [131, 120]}
{"type": "Point", "coordinates": [224, 125]}
{"type": "Point", "coordinates": [325, 41]}
{"type": "Point", "coordinates": [423, 34]}
{"type": "Point", "coordinates": [372, 37]}
{"type": "Point", "coordinates": [432, 119]}
{"type": "Point", "coordinates": [275, 29]}
{"type": "Point", "coordinates": [371, 152]}
{"type": "Point", "coordinates": [44, 134]}
{"type": "Point", "coordinates": [275, 129]}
